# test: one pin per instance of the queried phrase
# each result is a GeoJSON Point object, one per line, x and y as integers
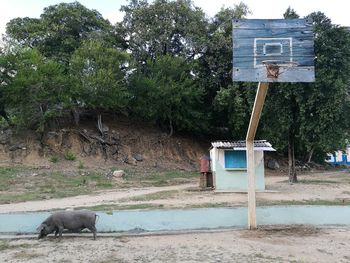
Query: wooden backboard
{"type": "Point", "coordinates": [273, 50]}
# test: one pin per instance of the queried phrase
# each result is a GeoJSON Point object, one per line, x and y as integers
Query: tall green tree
{"type": "Point", "coordinates": [98, 78]}
{"type": "Point", "coordinates": [312, 117]}
{"type": "Point", "coordinates": [36, 88]}
{"type": "Point", "coordinates": [215, 71]}
{"type": "Point", "coordinates": [166, 91]}
{"type": "Point", "coordinates": [161, 28]}
{"type": "Point", "coordinates": [60, 29]}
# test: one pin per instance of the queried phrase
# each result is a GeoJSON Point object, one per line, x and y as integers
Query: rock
{"type": "Point", "coordinates": [273, 164]}
{"type": "Point", "coordinates": [138, 157]}
{"type": "Point", "coordinates": [17, 147]}
{"type": "Point", "coordinates": [118, 174]}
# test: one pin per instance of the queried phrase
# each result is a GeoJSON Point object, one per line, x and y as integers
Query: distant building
{"type": "Point", "coordinates": [229, 165]}
{"type": "Point", "coordinates": [339, 157]}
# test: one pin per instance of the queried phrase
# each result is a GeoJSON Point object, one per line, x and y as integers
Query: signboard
{"type": "Point", "coordinates": [273, 50]}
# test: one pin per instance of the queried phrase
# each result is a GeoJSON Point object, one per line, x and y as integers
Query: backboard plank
{"type": "Point", "coordinates": [284, 41]}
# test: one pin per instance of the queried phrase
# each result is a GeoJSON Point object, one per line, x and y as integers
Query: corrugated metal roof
{"type": "Point", "coordinates": [259, 145]}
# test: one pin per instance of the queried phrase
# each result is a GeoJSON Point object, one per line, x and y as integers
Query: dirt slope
{"type": "Point", "coordinates": [133, 143]}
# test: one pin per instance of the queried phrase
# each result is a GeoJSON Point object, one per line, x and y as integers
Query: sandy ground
{"type": "Point", "coordinates": [326, 186]}
{"type": "Point", "coordinates": [269, 244]}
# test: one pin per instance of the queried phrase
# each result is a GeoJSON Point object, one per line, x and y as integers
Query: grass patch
{"type": "Point", "coordinates": [162, 178]}
{"type": "Point", "coordinates": [313, 181]}
{"type": "Point", "coordinates": [110, 208]}
{"type": "Point", "coordinates": [81, 165]}
{"type": "Point", "coordinates": [18, 185]}
{"type": "Point", "coordinates": [153, 196]}
{"type": "Point", "coordinates": [4, 245]}
{"type": "Point", "coordinates": [317, 182]}
{"type": "Point", "coordinates": [70, 156]}
{"type": "Point", "coordinates": [306, 202]}
{"type": "Point", "coordinates": [54, 159]}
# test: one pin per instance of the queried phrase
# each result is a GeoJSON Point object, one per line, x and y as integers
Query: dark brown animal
{"type": "Point", "coordinates": [74, 221]}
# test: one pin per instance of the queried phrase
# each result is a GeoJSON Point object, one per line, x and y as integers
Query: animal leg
{"type": "Point", "coordinates": [60, 231]}
{"type": "Point", "coordinates": [93, 230]}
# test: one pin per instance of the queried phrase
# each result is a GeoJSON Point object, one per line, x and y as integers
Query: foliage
{"type": "Point", "coordinates": [312, 118]}
{"type": "Point", "coordinates": [174, 69]}
{"type": "Point", "coordinates": [166, 91]}
{"type": "Point", "coordinates": [36, 89]}
{"type": "Point", "coordinates": [98, 77]}
{"type": "Point", "coordinates": [70, 156]}
{"type": "Point", "coordinates": [215, 63]}
{"type": "Point", "coordinates": [161, 28]}
{"type": "Point", "coordinates": [60, 29]}
{"type": "Point", "coordinates": [54, 159]}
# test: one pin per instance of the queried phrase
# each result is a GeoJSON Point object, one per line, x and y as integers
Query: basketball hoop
{"type": "Point", "coordinates": [273, 67]}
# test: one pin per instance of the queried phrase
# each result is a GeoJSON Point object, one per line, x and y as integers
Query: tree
{"type": "Point", "coordinates": [215, 67]}
{"type": "Point", "coordinates": [98, 77]}
{"type": "Point", "coordinates": [161, 28]}
{"type": "Point", "coordinates": [35, 90]}
{"type": "Point", "coordinates": [60, 30]}
{"type": "Point", "coordinates": [166, 91]}
{"type": "Point", "coordinates": [312, 117]}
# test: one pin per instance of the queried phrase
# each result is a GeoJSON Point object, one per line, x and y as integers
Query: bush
{"type": "Point", "coordinates": [70, 156]}
{"type": "Point", "coordinates": [54, 159]}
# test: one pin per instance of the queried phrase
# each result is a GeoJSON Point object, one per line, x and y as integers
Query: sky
{"type": "Point", "coordinates": [334, 9]}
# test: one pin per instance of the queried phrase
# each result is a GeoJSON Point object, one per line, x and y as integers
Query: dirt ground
{"type": "Point", "coordinates": [298, 243]}
{"type": "Point", "coordinates": [269, 244]}
{"type": "Point", "coordinates": [324, 188]}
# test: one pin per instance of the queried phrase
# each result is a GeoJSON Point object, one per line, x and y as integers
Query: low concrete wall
{"type": "Point", "coordinates": [190, 219]}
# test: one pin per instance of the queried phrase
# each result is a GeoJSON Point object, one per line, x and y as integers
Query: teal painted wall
{"type": "Point", "coordinates": [236, 180]}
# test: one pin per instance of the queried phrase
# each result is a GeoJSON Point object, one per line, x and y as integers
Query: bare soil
{"type": "Point", "coordinates": [269, 244]}
{"type": "Point", "coordinates": [159, 152]}
{"type": "Point", "coordinates": [266, 244]}
{"type": "Point", "coordinates": [329, 188]}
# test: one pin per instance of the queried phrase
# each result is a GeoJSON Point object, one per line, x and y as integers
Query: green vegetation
{"type": "Point", "coordinates": [23, 184]}
{"type": "Point", "coordinates": [81, 165]}
{"type": "Point", "coordinates": [337, 201]}
{"type": "Point", "coordinates": [111, 207]}
{"type": "Point", "coordinates": [154, 196]}
{"type": "Point", "coordinates": [161, 178]}
{"type": "Point", "coordinates": [311, 181]}
{"type": "Point", "coordinates": [73, 60]}
{"type": "Point", "coordinates": [54, 159]}
{"type": "Point", "coordinates": [70, 156]}
{"type": "Point", "coordinates": [19, 184]}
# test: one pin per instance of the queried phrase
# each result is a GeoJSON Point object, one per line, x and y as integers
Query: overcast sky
{"type": "Point", "coordinates": [336, 10]}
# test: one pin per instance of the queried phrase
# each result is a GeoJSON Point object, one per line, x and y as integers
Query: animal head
{"type": "Point", "coordinates": [43, 230]}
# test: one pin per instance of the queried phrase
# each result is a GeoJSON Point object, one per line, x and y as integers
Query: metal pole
{"type": "Point", "coordinates": [253, 125]}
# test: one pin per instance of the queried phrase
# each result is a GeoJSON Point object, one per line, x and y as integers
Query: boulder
{"type": "Point", "coordinates": [138, 157]}
{"type": "Point", "coordinates": [118, 174]}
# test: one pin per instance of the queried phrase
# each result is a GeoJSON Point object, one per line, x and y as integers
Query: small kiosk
{"type": "Point", "coordinates": [229, 165]}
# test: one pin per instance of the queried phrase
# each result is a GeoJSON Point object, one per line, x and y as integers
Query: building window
{"type": "Point", "coordinates": [235, 159]}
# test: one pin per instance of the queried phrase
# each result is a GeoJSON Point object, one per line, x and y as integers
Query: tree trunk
{"type": "Point", "coordinates": [100, 125]}
{"type": "Point", "coordinates": [76, 116]}
{"type": "Point", "coordinates": [291, 159]}
{"type": "Point", "coordinates": [310, 155]}
{"type": "Point", "coordinates": [171, 128]}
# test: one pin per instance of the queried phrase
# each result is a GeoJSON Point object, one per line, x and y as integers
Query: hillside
{"type": "Point", "coordinates": [124, 144]}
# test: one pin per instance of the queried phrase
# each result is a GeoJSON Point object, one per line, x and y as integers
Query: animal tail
{"type": "Point", "coordinates": [96, 215]}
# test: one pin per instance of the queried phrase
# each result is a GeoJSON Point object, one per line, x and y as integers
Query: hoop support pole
{"type": "Point", "coordinates": [253, 125]}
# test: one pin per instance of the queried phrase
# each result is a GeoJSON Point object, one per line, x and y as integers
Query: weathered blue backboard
{"type": "Point", "coordinates": [273, 50]}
